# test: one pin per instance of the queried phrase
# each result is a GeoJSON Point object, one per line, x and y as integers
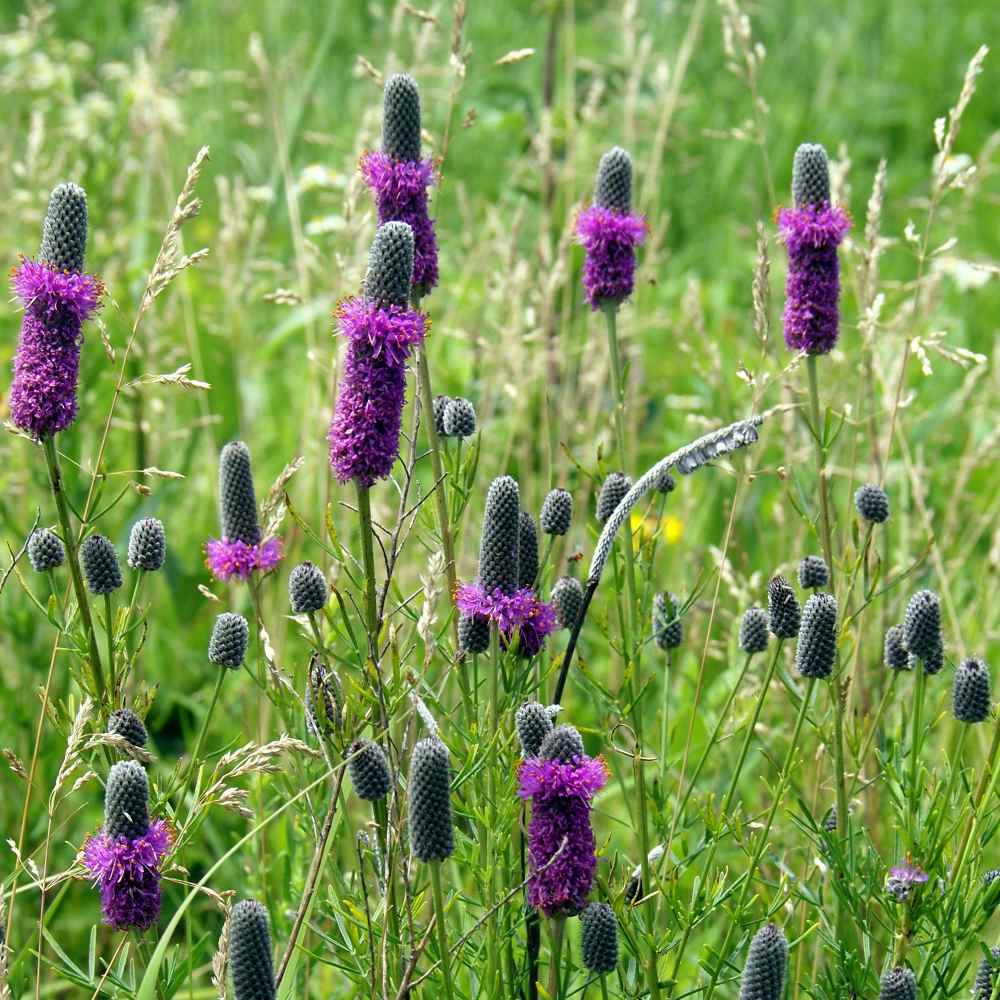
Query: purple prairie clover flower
{"type": "Point", "coordinates": [47, 363]}
{"type": "Point", "coordinates": [127, 872]}
{"type": "Point", "coordinates": [364, 433]}
{"type": "Point", "coordinates": [228, 559]}
{"type": "Point", "coordinates": [400, 189]}
{"type": "Point", "coordinates": [902, 879]}
{"type": "Point", "coordinates": [561, 795]}
{"type": "Point", "coordinates": [609, 239]}
{"type": "Point", "coordinates": [521, 614]}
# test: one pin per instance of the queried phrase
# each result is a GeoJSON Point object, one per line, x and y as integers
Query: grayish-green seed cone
{"type": "Point", "coordinates": [783, 609]}
{"type": "Point", "coordinates": [401, 118]}
{"type": "Point", "coordinates": [527, 550]}
{"type": "Point", "coordinates": [307, 589]}
{"type": "Point", "coordinates": [227, 646]}
{"type": "Point", "coordinates": [533, 724]}
{"type": "Point", "coordinates": [459, 418]}
{"type": "Point", "coordinates": [100, 565]}
{"type": "Point", "coordinates": [390, 265]}
{"type": "Point", "coordinates": [971, 693]}
{"type": "Point", "coordinates": [498, 559]}
{"type": "Point", "coordinates": [598, 938]}
{"type": "Point", "coordinates": [45, 550]}
{"type": "Point", "coordinates": [473, 634]}
{"type": "Point", "coordinates": [564, 744]}
{"type": "Point", "coordinates": [898, 984]}
{"type": "Point", "coordinates": [754, 631]}
{"type": "Point", "coordinates": [147, 545]}
{"type": "Point", "coordinates": [250, 959]}
{"type": "Point", "coordinates": [767, 959]}
{"type": "Point", "coordinates": [557, 512]}
{"type": "Point", "coordinates": [922, 625]}
{"type": "Point", "coordinates": [810, 176]}
{"type": "Point", "coordinates": [125, 723]}
{"type": "Point", "coordinates": [369, 770]}
{"type": "Point", "coordinates": [237, 501]}
{"type": "Point", "coordinates": [431, 835]}
{"type": "Point", "coordinates": [896, 655]}
{"type": "Point", "coordinates": [872, 503]}
{"type": "Point", "coordinates": [612, 493]}
{"type": "Point", "coordinates": [126, 801]}
{"type": "Point", "coordinates": [613, 189]}
{"type": "Point", "coordinates": [440, 407]}
{"type": "Point", "coordinates": [668, 629]}
{"type": "Point", "coordinates": [664, 482]}
{"type": "Point", "coordinates": [982, 988]}
{"type": "Point", "coordinates": [817, 647]}
{"type": "Point", "coordinates": [64, 231]}
{"type": "Point", "coordinates": [567, 598]}
{"type": "Point", "coordinates": [813, 573]}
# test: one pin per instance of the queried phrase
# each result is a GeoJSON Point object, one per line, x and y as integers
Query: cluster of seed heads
{"type": "Point", "coordinates": [250, 951]}
{"type": "Point", "coordinates": [45, 551]}
{"type": "Point", "coordinates": [557, 512]}
{"type": "Point", "coordinates": [533, 723]}
{"type": "Point", "coordinates": [64, 231]}
{"type": "Point", "coordinates": [125, 723]}
{"type": "Point", "coordinates": [431, 836]}
{"type": "Point", "coordinates": [872, 503]}
{"type": "Point", "coordinates": [612, 493]}
{"type": "Point", "coordinates": [567, 598]}
{"type": "Point", "coordinates": [767, 959]}
{"type": "Point", "coordinates": [147, 545]}
{"type": "Point", "coordinates": [783, 611]}
{"type": "Point", "coordinates": [459, 418]}
{"type": "Point", "coordinates": [598, 938]}
{"type": "Point", "coordinates": [817, 646]}
{"type": "Point", "coordinates": [100, 565]}
{"type": "Point", "coordinates": [369, 770]}
{"type": "Point", "coordinates": [126, 801]}
{"type": "Point", "coordinates": [668, 629]}
{"type": "Point", "coordinates": [237, 500]}
{"type": "Point", "coordinates": [498, 562]}
{"type": "Point", "coordinates": [307, 589]}
{"type": "Point", "coordinates": [813, 573]}
{"type": "Point", "coordinates": [754, 632]}
{"type": "Point", "coordinates": [564, 744]}
{"type": "Point", "coordinates": [971, 693]}
{"type": "Point", "coordinates": [227, 646]}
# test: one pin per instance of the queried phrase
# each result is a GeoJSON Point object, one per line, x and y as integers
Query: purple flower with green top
{"type": "Point", "coordinates": [364, 433]}
{"type": "Point", "coordinates": [127, 872]}
{"type": "Point", "coordinates": [561, 794]}
{"type": "Point", "coordinates": [521, 614]}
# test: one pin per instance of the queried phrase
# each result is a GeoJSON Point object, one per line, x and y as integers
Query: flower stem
{"type": "Point", "coordinates": [368, 554]}
{"type": "Point", "coordinates": [441, 931]}
{"type": "Point", "coordinates": [69, 540]}
{"type": "Point", "coordinates": [202, 732]}
{"type": "Point", "coordinates": [915, 742]}
{"type": "Point", "coordinates": [557, 925]}
{"type": "Point", "coordinates": [111, 646]}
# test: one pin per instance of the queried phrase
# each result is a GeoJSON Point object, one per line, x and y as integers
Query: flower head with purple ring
{"type": "Point", "coordinates": [561, 795]}
{"type": "Point", "coordinates": [127, 872]}
{"type": "Point", "coordinates": [227, 559]}
{"type": "Point", "coordinates": [364, 433]}
{"type": "Point", "coordinates": [609, 239]}
{"type": "Point", "coordinates": [902, 879]}
{"type": "Point", "coordinates": [400, 189]}
{"type": "Point", "coordinates": [520, 614]}
{"type": "Point", "coordinates": [47, 363]}
{"type": "Point", "coordinates": [812, 234]}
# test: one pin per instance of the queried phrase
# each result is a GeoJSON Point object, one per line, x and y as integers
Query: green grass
{"type": "Point", "coordinates": [121, 98]}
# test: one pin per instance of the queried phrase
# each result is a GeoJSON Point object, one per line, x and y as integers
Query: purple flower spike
{"type": "Point", "coordinates": [561, 795]}
{"type": "Point", "coordinates": [520, 614]}
{"type": "Point", "coordinates": [46, 366]}
{"type": "Point", "coordinates": [364, 434]}
{"type": "Point", "coordinates": [227, 559]}
{"type": "Point", "coordinates": [610, 239]}
{"type": "Point", "coordinates": [400, 189]}
{"type": "Point", "coordinates": [903, 879]}
{"type": "Point", "coordinates": [812, 234]}
{"type": "Point", "coordinates": [127, 872]}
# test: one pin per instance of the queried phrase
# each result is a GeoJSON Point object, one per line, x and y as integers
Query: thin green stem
{"type": "Point", "coordinates": [786, 774]}
{"type": "Point", "coordinates": [557, 925]}
{"type": "Point", "coordinates": [368, 554]}
{"type": "Point", "coordinates": [916, 738]}
{"type": "Point", "coordinates": [442, 934]}
{"type": "Point", "coordinates": [70, 541]}
{"type": "Point", "coordinates": [819, 440]}
{"type": "Point", "coordinates": [111, 645]}
{"type": "Point", "coordinates": [202, 731]}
